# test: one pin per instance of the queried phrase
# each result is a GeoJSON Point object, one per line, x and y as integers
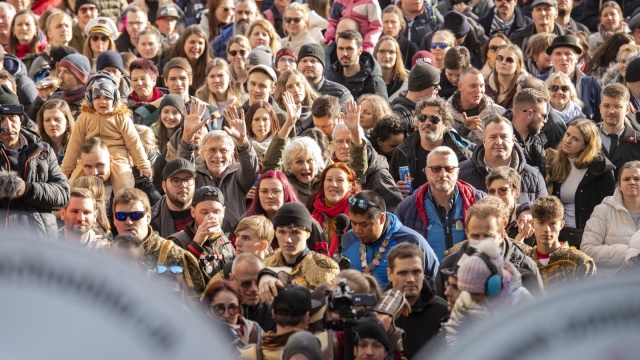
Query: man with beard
{"type": "Point", "coordinates": [530, 111]}
{"type": "Point", "coordinates": [437, 210]}
{"type": "Point", "coordinates": [244, 273]}
{"type": "Point", "coordinates": [172, 213]}
{"type": "Point", "coordinates": [246, 12]}
{"type": "Point", "coordinates": [506, 17]}
{"type": "Point", "coordinates": [433, 120]}
{"type": "Point", "coordinates": [137, 21]}
{"type": "Point", "coordinates": [79, 216]}
{"type": "Point", "coordinates": [85, 11]}
{"type": "Point", "coordinates": [564, 18]}
{"type": "Point", "coordinates": [423, 82]}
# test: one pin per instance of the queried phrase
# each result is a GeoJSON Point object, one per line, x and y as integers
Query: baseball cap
{"type": "Point", "coordinates": [294, 300]}
{"type": "Point", "coordinates": [207, 193]}
{"type": "Point", "coordinates": [176, 165]}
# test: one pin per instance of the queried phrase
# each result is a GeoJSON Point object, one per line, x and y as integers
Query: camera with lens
{"type": "Point", "coordinates": [342, 300]}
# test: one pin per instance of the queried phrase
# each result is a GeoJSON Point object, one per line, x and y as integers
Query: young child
{"type": "Point", "coordinates": [114, 126]}
{"type": "Point", "coordinates": [366, 13]}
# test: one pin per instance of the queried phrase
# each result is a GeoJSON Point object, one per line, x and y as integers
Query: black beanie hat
{"type": "Point", "coordinates": [293, 214]}
{"type": "Point", "coordinates": [423, 76]}
{"type": "Point", "coordinates": [173, 100]}
{"type": "Point", "coordinates": [7, 97]}
{"type": "Point", "coordinates": [457, 23]}
{"type": "Point", "coordinates": [83, 2]}
{"type": "Point", "coordinates": [110, 58]}
{"type": "Point", "coordinates": [60, 52]}
{"type": "Point", "coordinates": [372, 328]}
{"type": "Point", "coordinates": [313, 50]}
{"type": "Point", "coordinates": [633, 71]}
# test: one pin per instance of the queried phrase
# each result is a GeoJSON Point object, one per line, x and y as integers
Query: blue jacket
{"type": "Point", "coordinates": [588, 91]}
{"type": "Point", "coordinates": [398, 233]}
{"type": "Point", "coordinates": [219, 43]}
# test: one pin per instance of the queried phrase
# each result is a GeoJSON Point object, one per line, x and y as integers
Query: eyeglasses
{"type": "Point", "coordinates": [99, 38]}
{"type": "Point", "coordinates": [544, 116]}
{"type": "Point", "coordinates": [493, 48]}
{"type": "Point", "coordinates": [233, 53]}
{"type": "Point", "coordinates": [287, 60]}
{"type": "Point", "coordinates": [173, 269]}
{"type": "Point", "coordinates": [176, 182]}
{"type": "Point", "coordinates": [362, 204]}
{"type": "Point", "coordinates": [136, 23]}
{"type": "Point", "coordinates": [87, 9]}
{"type": "Point", "coordinates": [248, 283]}
{"type": "Point", "coordinates": [438, 169]}
{"type": "Point", "coordinates": [220, 309]}
{"type": "Point", "coordinates": [441, 45]}
{"type": "Point", "coordinates": [435, 120]}
{"type": "Point", "coordinates": [213, 151]}
{"type": "Point", "coordinates": [274, 192]}
{"type": "Point", "coordinates": [555, 88]}
{"type": "Point", "coordinates": [295, 20]}
{"type": "Point", "coordinates": [508, 59]}
{"type": "Point", "coordinates": [502, 191]}
{"type": "Point", "coordinates": [134, 215]}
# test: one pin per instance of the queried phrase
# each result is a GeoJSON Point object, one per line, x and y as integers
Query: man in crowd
{"type": "Point", "coordinates": [85, 11]}
{"type": "Point", "coordinates": [555, 126]}
{"type": "Point", "coordinates": [424, 80]}
{"type": "Point", "coordinates": [137, 21]}
{"type": "Point", "coordinates": [529, 116]}
{"type": "Point", "coordinates": [506, 17]}
{"type": "Point", "coordinates": [311, 63]}
{"type": "Point", "coordinates": [31, 182]}
{"type": "Point", "coordinates": [374, 232]}
{"type": "Point", "coordinates": [111, 61]}
{"type": "Point", "coordinates": [261, 85]}
{"type": "Point", "coordinates": [26, 88]}
{"type": "Point", "coordinates": [203, 236]}
{"type": "Point", "coordinates": [544, 14]}
{"type": "Point", "coordinates": [422, 17]}
{"type": "Point", "coordinates": [498, 148]}
{"type": "Point", "coordinates": [244, 273]}
{"type": "Point", "coordinates": [172, 213]}
{"type": "Point", "coordinates": [634, 26]}
{"type": "Point", "coordinates": [633, 85]}
{"type": "Point", "coordinates": [79, 216]}
{"type": "Point", "coordinates": [166, 22]}
{"type": "Point", "coordinates": [471, 107]}
{"type": "Point", "coordinates": [132, 215]}
{"type": "Point", "coordinates": [564, 18]}
{"type": "Point", "coordinates": [406, 273]}
{"type": "Point", "coordinates": [325, 112]}
{"type": "Point", "coordinates": [356, 69]}
{"type": "Point", "coordinates": [432, 119]}
{"type": "Point", "coordinates": [245, 12]}
{"type": "Point", "coordinates": [559, 263]}
{"type": "Point", "coordinates": [504, 182]}
{"type": "Point", "coordinates": [438, 210]}
{"type": "Point", "coordinates": [372, 340]}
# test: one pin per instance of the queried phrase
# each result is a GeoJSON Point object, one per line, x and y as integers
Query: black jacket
{"type": "Point", "coordinates": [446, 88]}
{"type": "Point", "coordinates": [408, 49]}
{"type": "Point", "coordinates": [534, 151]}
{"type": "Point", "coordinates": [532, 185]}
{"type": "Point", "coordinates": [520, 22]}
{"type": "Point", "coordinates": [628, 148]}
{"type": "Point", "coordinates": [27, 91]}
{"type": "Point", "coordinates": [124, 44]}
{"type": "Point", "coordinates": [553, 129]}
{"type": "Point", "coordinates": [598, 183]}
{"type": "Point", "coordinates": [367, 81]}
{"type": "Point", "coordinates": [261, 314]}
{"type": "Point", "coordinates": [521, 37]}
{"type": "Point", "coordinates": [423, 322]}
{"type": "Point", "coordinates": [423, 24]}
{"type": "Point", "coordinates": [404, 108]}
{"type": "Point", "coordinates": [46, 189]}
{"type": "Point", "coordinates": [378, 179]}
{"type": "Point", "coordinates": [326, 87]}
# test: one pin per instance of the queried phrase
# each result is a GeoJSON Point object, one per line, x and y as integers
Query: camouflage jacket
{"type": "Point", "coordinates": [313, 270]}
{"type": "Point", "coordinates": [566, 265]}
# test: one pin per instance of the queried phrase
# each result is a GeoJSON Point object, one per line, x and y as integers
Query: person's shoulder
{"type": "Point", "coordinates": [322, 261]}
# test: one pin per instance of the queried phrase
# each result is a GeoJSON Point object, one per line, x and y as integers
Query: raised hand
{"type": "Point", "coordinates": [237, 128]}
{"type": "Point", "coordinates": [193, 121]}
{"type": "Point", "coordinates": [472, 123]}
{"type": "Point", "coordinates": [352, 121]}
{"type": "Point", "coordinates": [293, 110]}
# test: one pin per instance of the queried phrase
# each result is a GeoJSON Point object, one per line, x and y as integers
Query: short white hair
{"type": "Point", "coordinates": [8, 8]}
{"type": "Point", "coordinates": [217, 135]}
{"type": "Point", "coordinates": [339, 126]}
{"type": "Point", "coordinates": [302, 145]}
{"type": "Point", "coordinates": [443, 150]}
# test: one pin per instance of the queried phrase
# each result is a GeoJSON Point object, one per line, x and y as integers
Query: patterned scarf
{"type": "Point", "coordinates": [325, 215]}
{"type": "Point", "coordinates": [73, 96]}
{"type": "Point", "coordinates": [499, 25]}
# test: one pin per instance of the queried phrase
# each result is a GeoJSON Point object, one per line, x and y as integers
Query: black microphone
{"type": "Point", "coordinates": [342, 222]}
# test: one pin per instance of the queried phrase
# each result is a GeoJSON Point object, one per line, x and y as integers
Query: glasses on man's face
{"type": "Point", "coordinates": [274, 192]}
{"type": "Point", "coordinates": [87, 9]}
{"type": "Point", "coordinates": [435, 120]}
{"type": "Point", "coordinates": [176, 182]}
{"type": "Point", "coordinates": [493, 48]}
{"type": "Point", "coordinates": [544, 115]}
{"type": "Point", "coordinates": [214, 151]}
{"type": "Point", "coordinates": [220, 309]}
{"type": "Point", "coordinates": [248, 283]}
{"type": "Point", "coordinates": [134, 215]}
{"type": "Point", "coordinates": [438, 169]}
{"type": "Point", "coordinates": [287, 60]}
{"type": "Point", "coordinates": [233, 53]}
{"type": "Point", "coordinates": [361, 203]}
{"type": "Point", "coordinates": [556, 88]}
{"type": "Point", "coordinates": [502, 191]}
{"type": "Point", "coordinates": [295, 20]}
{"type": "Point", "coordinates": [508, 59]}
{"type": "Point", "coordinates": [441, 45]}
{"type": "Point", "coordinates": [173, 269]}
{"type": "Point", "coordinates": [97, 38]}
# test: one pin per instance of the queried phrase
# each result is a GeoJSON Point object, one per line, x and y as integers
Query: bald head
{"type": "Point", "coordinates": [347, 24]}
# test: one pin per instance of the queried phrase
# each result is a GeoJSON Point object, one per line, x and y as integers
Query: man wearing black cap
{"type": "Point", "coordinates": [634, 26]}
{"type": "Point", "coordinates": [372, 342]}
{"type": "Point", "coordinates": [424, 81]}
{"type": "Point", "coordinates": [172, 213]}
{"type": "Point", "coordinates": [27, 91]}
{"type": "Point", "coordinates": [31, 182]}
{"type": "Point", "coordinates": [544, 14]}
{"type": "Point", "coordinates": [633, 84]}
{"type": "Point", "coordinates": [311, 63]}
{"type": "Point", "coordinates": [85, 10]}
{"type": "Point", "coordinates": [203, 237]}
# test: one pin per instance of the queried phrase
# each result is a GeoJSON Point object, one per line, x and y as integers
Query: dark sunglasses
{"type": "Point", "coordinates": [134, 215]}
{"type": "Point", "coordinates": [441, 45]}
{"type": "Point", "coordinates": [295, 20]}
{"type": "Point", "coordinates": [87, 9]}
{"type": "Point", "coordinates": [502, 191]}
{"type": "Point", "coordinates": [435, 120]}
{"type": "Point", "coordinates": [555, 88]}
{"type": "Point", "coordinates": [220, 309]}
{"type": "Point", "coordinates": [437, 169]}
{"type": "Point", "coordinates": [174, 269]}
{"type": "Point", "coordinates": [233, 53]}
{"type": "Point", "coordinates": [99, 37]}
{"type": "Point", "coordinates": [508, 59]}
{"type": "Point", "coordinates": [361, 203]}
{"type": "Point", "coordinates": [248, 283]}
{"type": "Point", "coordinates": [493, 48]}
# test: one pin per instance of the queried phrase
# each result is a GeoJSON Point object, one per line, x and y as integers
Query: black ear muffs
{"type": "Point", "coordinates": [493, 286]}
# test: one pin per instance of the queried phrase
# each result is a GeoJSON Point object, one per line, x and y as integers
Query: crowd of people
{"type": "Point", "coordinates": [272, 159]}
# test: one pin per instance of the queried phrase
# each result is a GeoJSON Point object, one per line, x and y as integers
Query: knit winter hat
{"type": "Point", "coordinates": [78, 65]}
{"type": "Point", "coordinates": [372, 328]}
{"type": "Point", "coordinates": [109, 58]}
{"type": "Point", "coordinates": [457, 23]}
{"type": "Point", "coordinates": [84, 2]}
{"type": "Point", "coordinates": [423, 56]}
{"type": "Point", "coordinates": [103, 83]}
{"type": "Point", "coordinates": [474, 272]}
{"type": "Point", "coordinates": [305, 343]}
{"type": "Point", "coordinates": [293, 214]}
{"type": "Point", "coordinates": [173, 100]}
{"type": "Point", "coordinates": [7, 97]}
{"type": "Point", "coordinates": [313, 50]}
{"type": "Point", "coordinates": [633, 71]}
{"type": "Point", "coordinates": [286, 51]}
{"type": "Point", "coordinates": [260, 55]}
{"type": "Point", "coordinates": [423, 76]}
{"type": "Point", "coordinates": [59, 52]}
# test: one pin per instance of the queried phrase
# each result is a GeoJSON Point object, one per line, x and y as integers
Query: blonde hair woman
{"type": "Point", "coordinates": [262, 32]}
{"type": "Point", "coordinates": [292, 81]}
{"type": "Point", "coordinates": [441, 42]}
{"type": "Point", "coordinates": [388, 54]}
{"type": "Point", "coordinates": [301, 26]}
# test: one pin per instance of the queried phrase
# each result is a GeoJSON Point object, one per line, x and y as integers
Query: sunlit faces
{"type": "Point", "coordinates": [488, 228]}
{"type": "Point", "coordinates": [69, 81]}
{"type": "Point", "coordinates": [610, 18]}
{"type": "Point", "coordinates": [505, 8]}
{"type": "Point", "coordinates": [367, 121]}
{"type": "Point", "coordinates": [471, 88]}
{"type": "Point", "coordinates": [24, 28]}
{"type": "Point", "coordinates": [311, 68]}
{"type": "Point", "coordinates": [261, 124]}
{"type": "Point", "coordinates": [537, 116]}
{"type": "Point", "coordinates": [59, 32]}
{"type": "Point", "coordinates": [391, 24]}
{"type": "Point", "coordinates": [136, 22]}
{"type": "Point", "coordinates": [547, 231]}
{"type": "Point", "coordinates": [246, 276]}
{"type": "Point", "coordinates": [388, 146]}
{"type": "Point", "coordinates": [194, 47]}
{"type": "Point", "coordinates": [303, 167]}
{"type": "Point", "coordinates": [286, 62]}
{"type": "Point", "coordinates": [342, 145]}
{"type": "Point", "coordinates": [166, 24]}
{"type": "Point", "coordinates": [292, 241]}
{"type": "Point", "coordinates": [148, 46]}
{"type": "Point", "coordinates": [218, 81]}
{"type": "Point", "coordinates": [561, 96]}
{"type": "Point", "coordinates": [217, 156]}
{"type": "Point", "coordinates": [96, 163]}
{"type": "Point", "coordinates": [428, 131]}
{"type": "Point", "coordinates": [87, 12]}
{"type": "Point", "coordinates": [142, 83]}
{"type": "Point", "coordinates": [453, 75]}
{"type": "Point", "coordinates": [495, 43]}
{"type": "Point", "coordinates": [348, 52]}
{"type": "Point", "coordinates": [573, 142]}
{"type": "Point", "coordinates": [5, 21]}
{"type": "Point", "coordinates": [297, 23]}
{"type": "Point", "coordinates": [259, 36]}
{"type": "Point", "coordinates": [325, 124]}
{"type": "Point", "coordinates": [178, 81]}
{"type": "Point", "coordinates": [613, 111]}
{"type": "Point", "coordinates": [208, 208]}
{"type": "Point", "coordinates": [336, 185]}
{"type": "Point", "coordinates": [438, 52]}
{"type": "Point", "coordinates": [386, 54]}
{"type": "Point", "coordinates": [140, 227]}
{"type": "Point", "coordinates": [629, 183]}
{"type": "Point", "coordinates": [407, 276]}
{"type": "Point", "coordinates": [247, 240]}
{"type": "Point", "coordinates": [622, 63]}
{"type": "Point", "coordinates": [245, 12]}
{"type": "Point", "coordinates": [271, 194]}
{"type": "Point", "coordinates": [98, 43]}
{"type": "Point", "coordinates": [103, 104]}
{"type": "Point", "coordinates": [181, 195]}
{"type": "Point", "coordinates": [503, 190]}
{"type": "Point", "coordinates": [259, 86]}
{"type": "Point", "coordinates": [11, 136]}
{"type": "Point", "coordinates": [442, 180]}
{"type": "Point", "coordinates": [543, 61]}
{"type": "Point", "coordinates": [170, 117]}
{"type": "Point", "coordinates": [225, 307]}
{"type": "Point", "coordinates": [55, 123]}
{"type": "Point", "coordinates": [498, 141]}
{"type": "Point", "coordinates": [564, 59]}
{"type": "Point", "coordinates": [295, 87]}
{"type": "Point", "coordinates": [239, 60]}
{"type": "Point", "coordinates": [506, 62]}
{"type": "Point", "coordinates": [413, 6]}
{"type": "Point", "coordinates": [79, 215]}
{"type": "Point", "coordinates": [225, 12]}
{"type": "Point", "coordinates": [544, 15]}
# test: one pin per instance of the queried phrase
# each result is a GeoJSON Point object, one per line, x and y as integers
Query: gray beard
{"type": "Point", "coordinates": [240, 28]}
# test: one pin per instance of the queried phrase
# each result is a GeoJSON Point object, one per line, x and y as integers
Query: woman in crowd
{"type": "Point", "coordinates": [613, 223]}
{"type": "Point", "coordinates": [373, 108]}
{"type": "Point", "coordinates": [489, 51]}
{"type": "Point", "coordinates": [220, 14]}
{"type": "Point", "coordinates": [221, 302]}
{"type": "Point", "coordinates": [262, 125]}
{"type": "Point", "coordinates": [57, 28]}
{"type": "Point", "coordinates": [149, 44]}
{"type": "Point", "coordinates": [584, 58]}
{"type": "Point", "coordinates": [564, 97]}
{"type": "Point", "coordinates": [238, 49]}
{"type": "Point", "coordinates": [605, 55]}
{"type": "Point", "coordinates": [441, 42]}
{"type": "Point", "coordinates": [221, 90]}
{"type": "Point", "coordinates": [503, 81]}
{"type": "Point", "coordinates": [579, 175]}
{"type": "Point", "coordinates": [388, 54]}
{"type": "Point", "coordinates": [102, 226]}
{"type": "Point", "coordinates": [144, 75]}
{"type": "Point", "coordinates": [25, 42]}
{"type": "Point", "coordinates": [99, 39]}
{"type": "Point", "coordinates": [192, 45]}
{"type": "Point", "coordinates": [394, 25]}
{"type": "Point", "coordinates": [337, 184]}
{"type": "Point", "coordinates": [538, 62]}
{"type": "Point", "coordinates": [293, 82]}
{"type": "Point", "coordinates": [55, 124]}
{"type": "Point", "coordinates": [169, 120]}
{"type": "Point", "coordinates": [387, 134]}
{"type": "Point", "coordinates": [617, 72]}
{"type": "Point", "coordinates": [302, 26]}
{"type": "Point", "coordinates": [611, 22]}
{"type": "Point", "coordinates": [275, 15]}
{"type": "Point", "coordinates": [261, 32]}
{"type": "Point", "coordinates": [286, 59]}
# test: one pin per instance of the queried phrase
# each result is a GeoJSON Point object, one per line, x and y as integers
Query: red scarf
{"type": "Point", "coordinates": [320, 210]}
{"type": "Point", "coordinates": [157, 94]}
{"type": "Point", "coordinates": [24, 50]}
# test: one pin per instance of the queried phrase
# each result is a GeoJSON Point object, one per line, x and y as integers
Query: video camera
{"type": "Point", "coordinates": [342, 300]}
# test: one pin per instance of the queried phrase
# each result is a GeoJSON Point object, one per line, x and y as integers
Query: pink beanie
{"type": "Point", "coordinates": [474, 272]}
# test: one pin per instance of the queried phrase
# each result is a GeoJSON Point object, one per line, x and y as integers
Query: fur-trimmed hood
{"type": "Point", "coordinates": [119, 109]}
